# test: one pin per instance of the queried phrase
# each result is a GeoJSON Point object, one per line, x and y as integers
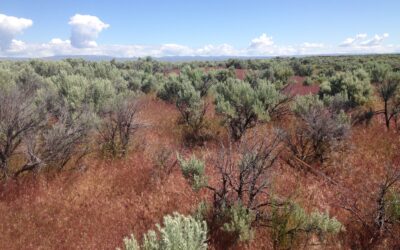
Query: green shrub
{"type": "Point", "coordinates": [355, 85]}
{"type": "Point", "coordinates": [308, 81]}
{"type": "Point", "coordinates": [389, 93]}
{"type": "Point", "coordinates": [73, 88]}
{"type": "Point", "coordinates": [99, 92]}
{"type": "Point", "coordinates": [201, 211]}
{"type": "Point", "coordinates": [182, 91]}
{"type": "Point", "coordinates": [318, 130]}
{"type": "Point", "coordinates": [243, 106]}
{"type": "Point", "coordinates": [169, 90]}
{"type": "Point", "coordinates": [291, 225]}
{"type": "Point", "coordinates": [241, 180]}
{"type": "Point", "coordinates": [178, 232]}
{"type": "Point", "coordinates": [119, 123]}
{"type": "Point", "coordinates": [303, 104]}
{"type": "Point", "coordinates": [193, 170]}
{"type": "Point", "coordinates": [393, 208]}
{"type": "Point", "coordinates": [192, 109]}
{"type": "Point", "coordinates": [131, 243]}
{"type": "Point", "coordinates": [239, 223]}
{"type": "Point", "coordinates": [379, 72]}
{"type": "Point", "coordinates": [198, 79]}
{"type": "Point", "coordinates": [222, 75]}
{"type": "Point", "coordinates": [300, 68]}
{"type": "Point", "coordinates": [278, 72]}
{"type": "Point", "coordinates": [149, 83]}
{"type": "Point", "coordinates": [194, 78]}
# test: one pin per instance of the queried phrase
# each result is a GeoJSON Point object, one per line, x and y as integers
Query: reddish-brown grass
{"type": "Point", "coordinates": [108, 199]}
{"type": "Point", "coordinates": [298, 88]}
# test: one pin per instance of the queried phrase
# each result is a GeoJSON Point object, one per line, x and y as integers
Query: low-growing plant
{"type": "Point", "coordinates": [178, 232]}
{"type": "Point", "coordinates": [393, 206]}
{"type": "Point", "coordinates": [291, 225]}
{"type": "Point", "coordinates": [194, 171]}
{"type": "Point", "coordinates": [308, 81]}
{"type": "Point", "coordinates": [131, 243]}
{"type": "Point", "coordinates": [239, 223]}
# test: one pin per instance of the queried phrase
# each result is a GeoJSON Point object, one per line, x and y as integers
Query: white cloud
{"type": "Point", "coordinates": [361, 36]}
{"type": "Point", "coordinates": [174, 50]}
{"type": "Point", "coordinates": [361, 40]}
{"type": "Point", "coordinates": [262, 43]}
{"type": "Point", "coordinates": [10, 27]}
{"type": "Point", "coordinates": [260, 46]}
{"type": "Point", "coordinates": [313, 45]}
{"type": "Point", "coordinates": [376, 40]}
{"type": "Point", "coordinates": [85, 30]}
{"type": "Point", "coordinates": [348, 42]}
{"type": "Point", "coordinates": [217, 50]}
{"type": "Point", "coordinates": [58, 41]}
{"type": "Point", "coordinates": [351, 41]}
{"type": "Point", "coordinates": [265, 46]}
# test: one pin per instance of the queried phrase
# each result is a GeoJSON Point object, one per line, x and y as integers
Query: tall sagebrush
{"type": "Point", "coordinates": [243, 105]}
{"type": "Point", "coordinates": [186, 93]}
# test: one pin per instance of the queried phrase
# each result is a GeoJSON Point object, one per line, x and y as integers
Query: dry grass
{"type": "Point", "coordinates": [96, 207]}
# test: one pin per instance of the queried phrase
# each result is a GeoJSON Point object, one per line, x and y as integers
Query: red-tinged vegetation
{"type": "Point", "coordinates": [240, 73]}
{"type": "Point", "coordinates": [298, 87]}
{"type": "Point", "coordinates": [106, 200]}
{"type": "Point", "coordinates": [96, 207]}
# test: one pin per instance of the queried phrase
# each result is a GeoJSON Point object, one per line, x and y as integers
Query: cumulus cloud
{"type": "Point", "coordinates": [262, 43]}
{"type": "Point", "coordinates": [10, 27]}
{"type": "Point", "coordinates": [85, 30]}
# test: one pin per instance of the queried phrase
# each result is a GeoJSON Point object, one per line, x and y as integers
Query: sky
{"type": "Point", "coordinates": [122, 28]}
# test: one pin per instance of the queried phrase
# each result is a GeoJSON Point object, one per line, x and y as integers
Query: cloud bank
{"type": "Point", "coordinates": [85, 29]}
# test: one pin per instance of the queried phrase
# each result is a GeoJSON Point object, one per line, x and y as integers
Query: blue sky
{"type": "Point", "coordinates": [206, 27]}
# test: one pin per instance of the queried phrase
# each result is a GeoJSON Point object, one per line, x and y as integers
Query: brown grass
{"type": "Point", "coordinates": [96, 207]}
